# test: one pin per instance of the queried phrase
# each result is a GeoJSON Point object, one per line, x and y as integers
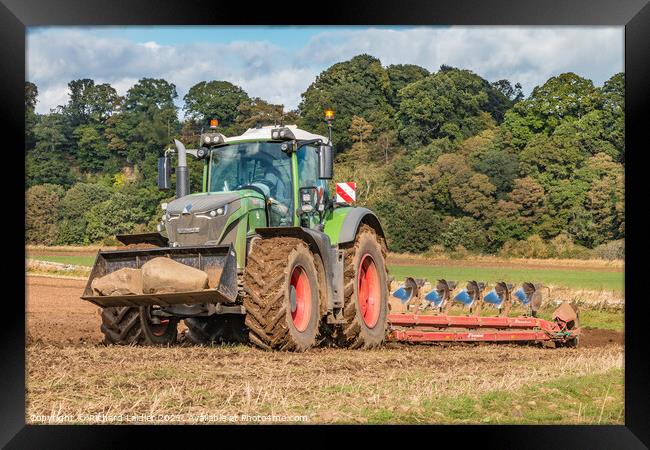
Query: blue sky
{"type": "Point", "coordinates": [278, 63]}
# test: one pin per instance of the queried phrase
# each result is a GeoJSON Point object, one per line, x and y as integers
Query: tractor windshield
{"type": "Point", "coordinates": [260, 165]}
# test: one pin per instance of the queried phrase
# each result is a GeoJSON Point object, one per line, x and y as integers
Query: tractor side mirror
{"type": "Point", "coordinates": [325, 162]}
{"type": "Point", "coordinates": [164, 172]}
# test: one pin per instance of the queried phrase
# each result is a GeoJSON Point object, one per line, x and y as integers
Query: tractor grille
{"type": "Point", "coordinates": [190, 229]}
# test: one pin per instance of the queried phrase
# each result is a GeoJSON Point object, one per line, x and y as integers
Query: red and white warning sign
{"type": "Point", "coordinates": [346, 192]}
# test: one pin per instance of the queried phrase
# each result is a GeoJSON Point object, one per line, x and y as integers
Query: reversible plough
{"type": "Point", "coordinates": [420, 316]}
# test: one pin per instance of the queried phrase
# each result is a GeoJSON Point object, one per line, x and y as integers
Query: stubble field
{"type": "Point", "coordinates": [73, 378]}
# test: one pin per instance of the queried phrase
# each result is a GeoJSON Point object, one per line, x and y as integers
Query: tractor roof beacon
{"type": "Point", "coordinates": [288, 267]}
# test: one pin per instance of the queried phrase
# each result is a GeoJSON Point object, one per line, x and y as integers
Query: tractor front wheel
{"type": "Point", "coordinates": [127, 325]}
{"type": "Point", "coordinates": [281, 295]}
{"type": "Point", "coordinates": [366, 291]}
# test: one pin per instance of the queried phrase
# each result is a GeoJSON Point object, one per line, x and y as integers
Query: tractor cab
{"type": "Point", "coordinates": [267, 177]}
{"type": "Point", "coordinates": [277, 162]}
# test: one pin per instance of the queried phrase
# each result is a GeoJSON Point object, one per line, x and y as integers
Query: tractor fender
{"type": "Point", "coordinates": [319, 243]}
{"type": "Point", "coordinates": [353, 221]}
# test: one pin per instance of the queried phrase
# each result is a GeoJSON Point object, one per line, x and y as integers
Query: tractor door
{"type": "Point", "coordinates": [308, 178]}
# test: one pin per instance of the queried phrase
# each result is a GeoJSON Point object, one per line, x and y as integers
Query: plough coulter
{"type": "Point", "coordinates": [420, 316]}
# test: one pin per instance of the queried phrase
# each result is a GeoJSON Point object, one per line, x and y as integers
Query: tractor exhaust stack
{"type": "Point", "coordinates": [182, 173]}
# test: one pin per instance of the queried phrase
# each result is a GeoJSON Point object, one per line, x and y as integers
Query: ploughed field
{"type": "Point", "coordinates": [73, 378]}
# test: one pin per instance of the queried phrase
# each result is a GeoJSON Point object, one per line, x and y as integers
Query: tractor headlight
{"type": "Point", "coordinates": [218, 212]}
{"type": "Point", "coordinates": [284, 134]}
{"type": "Point", "coordinates": [206, 139]}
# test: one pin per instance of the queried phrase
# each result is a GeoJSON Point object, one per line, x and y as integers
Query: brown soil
{"type": "Point", "coordinates": [56, 315]}
{"type": "Point", "coordinates": [595, 337]}
{"type": "Point", "coordinates": [140, 245]}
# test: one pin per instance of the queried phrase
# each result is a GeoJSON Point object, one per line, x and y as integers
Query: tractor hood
{"type": "Point", "coordinates": [201, 203]}
{"type": "Point", "coordinates": [200, 219]}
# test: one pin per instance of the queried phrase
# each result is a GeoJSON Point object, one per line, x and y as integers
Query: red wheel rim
{"type": "Point", "coordinates": [300, 298]}
{"type": "Point", "coordinates": [159, 329]}
{"type": "Point", "coordinates": [369, 291]}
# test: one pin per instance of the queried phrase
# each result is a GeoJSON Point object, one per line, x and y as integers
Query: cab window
{"type": "Point", "coordinates": [308, 172]}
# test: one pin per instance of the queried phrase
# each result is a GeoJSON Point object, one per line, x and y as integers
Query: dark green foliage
{"type": "Point", "coordinates": [502, 231]}
{"type": "Point", "coordinates": [148, 121]}
{"type": "Point", "coordinates": [92, 152]}
{"type": "Point", "coordinates": [254, 112]}
{"type": "Point", "coordinates": [451, 103]}
{"type": "Point", "coordinates": [74, 206]}
{"type": "Point", "coordinates": [566, 97]}
{"type": "Point", "coordinates": [410, 228]}
{"type": "Point", "coordinates": [448, 160]}
{"type": "Point", "coordinates": [119, 214]}
{"type": "Point", "coordinates": [500, 166]}
{"type": "Point", "coordinates": [512, 93]}
{"type": "Point", "coordinates": [31, 97]}
{"type": "Point", "coordinates": [358, 87]}
{"type": "Point", "coordinates": [214, 99]}
{"type": "Point", "coordinates": [41, 208]}
{"type": "Point", "coordinates": [466, 232]}
{"type": "Point", "coordinates": [44, 167]}
{"type": "Point", "coordinates": [400, 76]}
{"type": "Point", "coordinates": [90, 102]}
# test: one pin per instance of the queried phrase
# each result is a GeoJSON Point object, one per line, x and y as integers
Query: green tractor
{"type": "Point", "coordinates": [289, 267]}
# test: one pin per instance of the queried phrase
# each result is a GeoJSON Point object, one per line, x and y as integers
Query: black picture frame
{"type": "Point", "coordinates": [16, 15]}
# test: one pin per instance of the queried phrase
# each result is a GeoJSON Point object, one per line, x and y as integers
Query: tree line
{"type": "Point", "coordinates": [449, 161]}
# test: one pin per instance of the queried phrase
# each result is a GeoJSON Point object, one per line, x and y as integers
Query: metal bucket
{"type": "Point", "coordinates": [208, 258]}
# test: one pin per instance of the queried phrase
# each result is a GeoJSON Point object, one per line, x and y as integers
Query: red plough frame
{"type": "Point", "coordinates": [430, 328]}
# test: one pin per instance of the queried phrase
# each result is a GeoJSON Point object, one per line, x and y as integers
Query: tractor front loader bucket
{"type": "Point", "coordinates": [219, 262]}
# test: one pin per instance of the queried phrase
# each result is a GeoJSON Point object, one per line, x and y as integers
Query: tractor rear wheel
{"type": "Point", "coordinates": [281, 294]}
{"type": "Point", "coordinates": [216, 330]}
{"type": "Point", "coordinates": [366, 291]}
{"type": "Point", "coordinates": [129, 325]}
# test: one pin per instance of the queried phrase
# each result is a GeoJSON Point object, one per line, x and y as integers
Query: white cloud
{"type": "Point", "coordinates": [526, 54]}
{"type": "Point", "coordinates": [529, 55]}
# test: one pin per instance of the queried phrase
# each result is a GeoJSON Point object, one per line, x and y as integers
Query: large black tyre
{"type": "Point", "coordinates": [161, 332]}
{"type": "Point", "coordinates": [123, 325]}
{"type": "Point", "coordinates": [281, 295]}
{"type": "Point", "coordinates": [216, 330]}
{"type": "Point", "coordinates": [366, 315]}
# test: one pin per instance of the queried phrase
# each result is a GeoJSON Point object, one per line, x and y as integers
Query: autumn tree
{"type": "Point", "coordinates": [563, 98]}
{"type": "Point", "coordinates": [358, 87]}
{"type": "Point", "coordinates": [41, 205]}
{"type": "Point", "coordinates": [400, 76]}
{"type": "Point", "coordinates": [451, 103]}
{"type": "Point", "coordinates": [258, 112]}
{"type": "Point", "coordinates": [214, 99]}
